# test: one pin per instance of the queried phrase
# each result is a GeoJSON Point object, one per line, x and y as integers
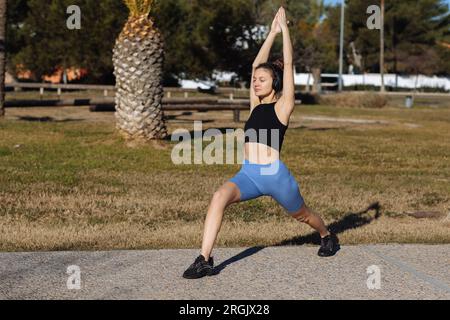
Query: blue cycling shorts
{"type": "Point", "coordinates": [273, 179]}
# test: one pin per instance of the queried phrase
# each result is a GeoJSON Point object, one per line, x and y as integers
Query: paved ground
{"type": "Point", "coordinates": [294, 272]}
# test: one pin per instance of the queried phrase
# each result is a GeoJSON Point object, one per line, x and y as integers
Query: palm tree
{"type": "Point", "coordinates": [3, 7]}
{"type": "Point", "coordinates": [138, 57]}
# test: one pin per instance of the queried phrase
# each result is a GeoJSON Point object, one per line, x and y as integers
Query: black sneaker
{"type": "Point", "coordinates": [329, 245]}
{"type": "Point", "coordinates": [200, 268]}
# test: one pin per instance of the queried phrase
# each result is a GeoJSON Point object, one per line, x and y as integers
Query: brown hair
{"type": "Point", "coordinates": [279, 63]}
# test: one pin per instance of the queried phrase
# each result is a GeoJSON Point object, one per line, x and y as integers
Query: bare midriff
{"type": "Point", "coordinates": [260, 153]}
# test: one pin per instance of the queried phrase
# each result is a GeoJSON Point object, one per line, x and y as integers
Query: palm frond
{"type": "Point", "coordinates": [139, 7]}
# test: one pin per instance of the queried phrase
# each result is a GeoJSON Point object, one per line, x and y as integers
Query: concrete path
{"type": "Point", "coordinates": [290, 272]}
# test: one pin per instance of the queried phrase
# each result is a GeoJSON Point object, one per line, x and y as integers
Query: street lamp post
{"type": "Point", "coordinates": [341, 50]}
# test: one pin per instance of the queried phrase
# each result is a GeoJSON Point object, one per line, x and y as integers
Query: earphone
{"type": "Point", "coordinates": [276, 84]}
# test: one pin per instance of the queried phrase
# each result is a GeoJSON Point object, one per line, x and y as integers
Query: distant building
{"type": "Point", "coordinates": [56, 77]}
{"type": "Point", "coordinates": [9, 78]}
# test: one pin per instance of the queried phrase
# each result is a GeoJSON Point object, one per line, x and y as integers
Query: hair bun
{"type": "Point", "coordinates": [278, 63]}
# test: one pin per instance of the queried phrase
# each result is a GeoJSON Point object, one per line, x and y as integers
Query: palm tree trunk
{"type": "Point", "coordinates": [3, 8]}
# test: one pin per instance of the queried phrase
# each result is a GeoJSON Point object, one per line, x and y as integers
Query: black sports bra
{"type": "Point", "coordinates": [267, 128]}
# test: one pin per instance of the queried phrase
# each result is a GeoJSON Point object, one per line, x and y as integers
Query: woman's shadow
{"type": "Point", "coordinates": [350, 221]}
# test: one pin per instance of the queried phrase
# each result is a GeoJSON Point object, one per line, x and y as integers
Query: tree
{"type": "Point", "coordinates": [17, 12]}
{"type": "Point", "coordinates": [382, 47]}
{"type": "Point", "coordinates": [185, 26]}
{"type": "Point", "coordinates": [138, 58]}
{"type": "Point", "coordinates": [313, 48]}
{"type": "Point", "coordinates": [412, 29]}
{"type": "Point", "coordinates": [3, 12]}
{"type": "Point", "coordinates": [43, 43]}
{"type": "Point", "coordinates": [443, 51]}
{"type": "Point", "coordinates": [314, 40]}
{"type": "Point", "coordinates": [236, 33]}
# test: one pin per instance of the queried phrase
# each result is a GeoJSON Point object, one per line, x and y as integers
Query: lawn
{"type": "Point", "coordinates": [68, 181]}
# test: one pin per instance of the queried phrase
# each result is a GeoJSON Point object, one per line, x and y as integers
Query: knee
{"type": "Point", "coordinates": [220, 197]}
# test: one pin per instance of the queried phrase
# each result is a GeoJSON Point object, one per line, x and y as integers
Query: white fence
{"type": "Point", "coordinates": [303, 79]}
{"type": "Point", "coordinates": [374, 79]}
{"type": "Point", "coordinates": [370, 79]}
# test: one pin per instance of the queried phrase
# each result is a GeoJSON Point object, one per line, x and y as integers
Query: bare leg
{"type": "Point", "coordinates": [307, 216]}
{"type": "Point", "coordinates": [227, 194]}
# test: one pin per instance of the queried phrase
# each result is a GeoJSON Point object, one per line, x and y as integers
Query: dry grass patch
{"type": "Point", "coordinates": [70, 185]}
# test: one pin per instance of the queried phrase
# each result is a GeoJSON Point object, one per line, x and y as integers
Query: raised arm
{"type": "Point", "coordinates": [288, 74]}
{"type": "Point", "coordinates": [262, 57]}
{"type": "Point", "coordinates": [264, 52]}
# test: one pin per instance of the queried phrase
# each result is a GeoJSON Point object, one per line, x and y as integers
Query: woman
{"type": "Point", "coordinates": [272, 102]}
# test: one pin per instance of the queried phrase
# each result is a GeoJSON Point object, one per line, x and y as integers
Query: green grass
{"type": "Point", "coordinates": [76, 185]}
